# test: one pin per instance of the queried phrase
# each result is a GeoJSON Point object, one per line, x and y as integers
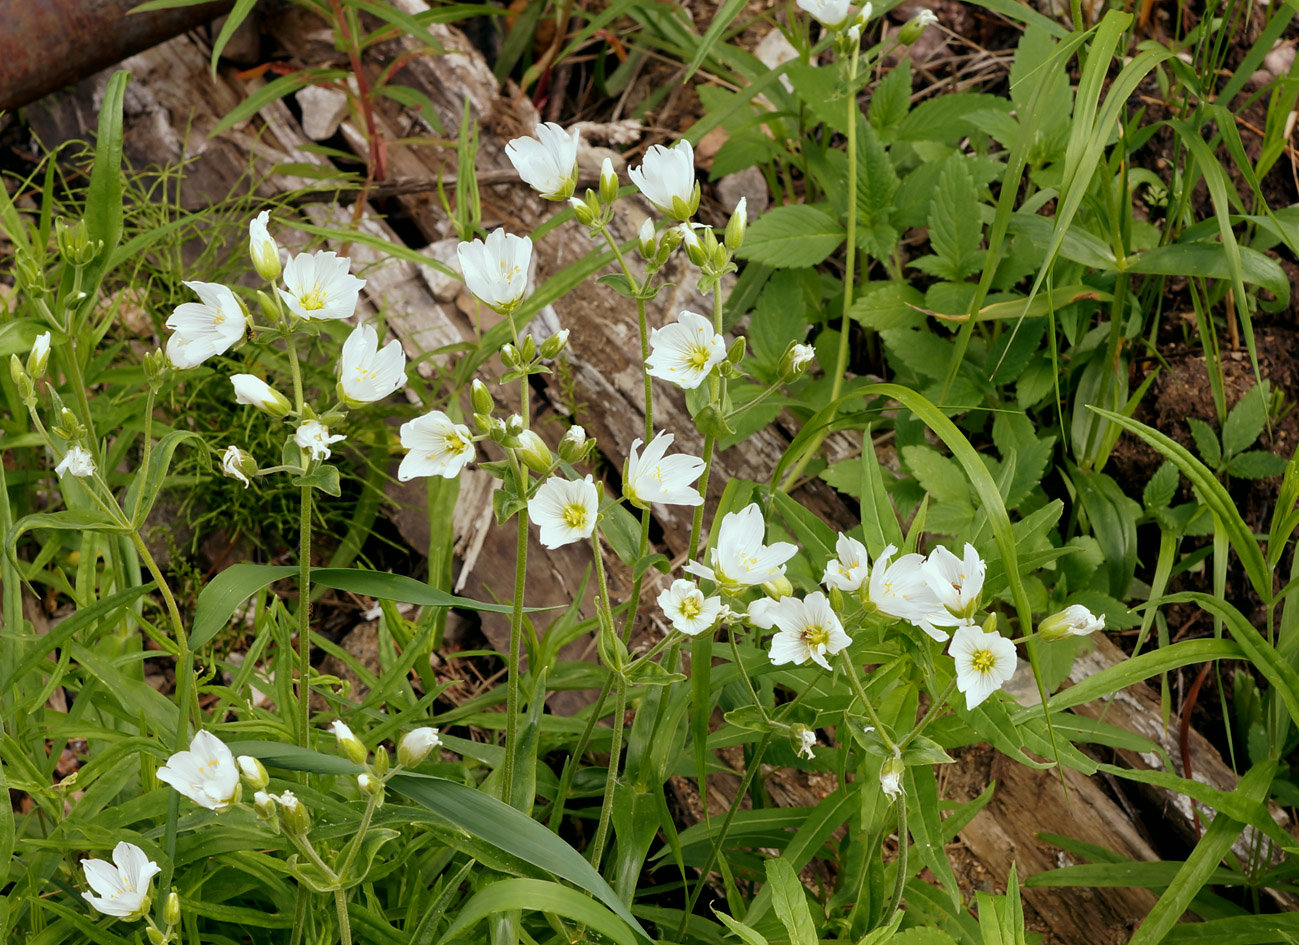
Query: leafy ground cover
{"type": "Point", "coordinates": [1051, 293]}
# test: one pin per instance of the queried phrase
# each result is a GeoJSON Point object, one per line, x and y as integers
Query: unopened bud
{"type": "Point", "coordinates": [1074, 621]}
{"type": "Point", "coordinates": [796, 360]}
{"type": "Point", "coordinates": [694, 247]}
{"type": "Point", "coordinates": [369, 785]}
{"type": "Point", "coordinates": [29, 276]}
{"type": "Point", "coordinates": [668, 243]}
{"type": "Point", "coordinates": [737, 224]}
{"type": "Point", "coordinates": [608, 182]}
{"type": "Point", "coordinates": [585, 214]}
{"type": "Point", "coordinates": [483, 422]}
{"type": "Point", "coordinates": [915, 27]}
{"type": "Point", "coordinates": [481, 397]}
{"type": "Point", "coordinates": [26, 389]}
{"type": "Point", "coordinates": [646, 238]}
{"type": "Point", "coordinates": [513, 425]}
{"type": "Point", "coordinates": [262, 248]}
{"type": "Point", "coordinates": [171, 909]}
{"type": "Point", "coordinates": [778, 587]}
{"type": "Point", "coordinates": [156, 366]}
{"type": "Point", "coordinates": [556, 343]}
{"type": "Point", "coordinates": [735, 353]}
{"type": "Point", "coordinates": [573, 446]}
{"type": "Point", "coordinates": [155, 936]}
{"type": "Point", "coordinates": [39, 357]}
{"type": "Point", "coordinates": [264, 806]}
{"type": "Point", "coordinates": [534, 452]}
{"type": "Point", "coordinates": [528, 349]}
{"type": "Point", "coordinates": [253, 772]}
{"type": "Point", "coordinates": [267, 305]}
{"type": "Point", "coordinates": [381, 761]}
{"type": "Point", "coordinates": [294, 816]}
{"type": "Point", "coordinates": [510, 356]}
{"type": "Point", "coordinates": [416, 745]}
{"type": "Point", "coordinates": [74, 242]}
{"type": "Point", "coordinates": [348, 743]}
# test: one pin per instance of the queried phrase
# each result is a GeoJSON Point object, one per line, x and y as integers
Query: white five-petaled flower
{"type": "Point", "coordinates": [667, 179]}
{"type": "Point", "coordinates": [849, 571]}
{"type": "Point", "coordinates": [496, 270]}
{"type": "Point", "coordinates": [900, 589]}
{"type": "Point", "coordinates": [740, 558]}
{"type": "Point", "coordinates": [1074, 621]}
{"type": "Point", "coordinates": [204, 328]}
{"type": "Point", "coordinates": [262, 249]}
{"type": "Point", "coordinates": [366, 373]}
{"type": "Point", "coordinates": [438, 447]}
{"type": "Point", "coordinates": [654, 477]}
{"type": "Point", "coordinates": [206, 773]}
{"type": "Point", "coordinates": [565, 510]}
{"type": "Point", "coordinates": [314, 436]}
{"type": "Point", "coordinates": [123, 886]}
{"type": "Point", "coordinates": [77, 461]}
{"type": "Point", "coordinates": [685, 351]}
{"type": "Point", "coordinates": [832, 14]}
{"type": "Point", "coordinates": [688, 609]}
{"type": "Point", "coordinates": [984, 661]}
{"type": "Point", "coordinates": [807, 629]}
{"type": "Point", "coordinates": [548, 162]}
{"type": "Point", "coordinates": [956, 582]}
{"type": "Point", "coordinates": [255, 392]}
{"type": "Point", "coordinates": [759, 613]}
{"type": "Point", "coordinates": [319, 285]}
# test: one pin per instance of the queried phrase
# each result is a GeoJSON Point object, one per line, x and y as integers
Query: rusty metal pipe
{"type": "Point", "coordinates": [47, 44]}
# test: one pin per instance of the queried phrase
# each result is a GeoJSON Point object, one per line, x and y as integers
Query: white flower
{"type": "Point", "coordinates": [984, 661]}
{"type": "Point", "coordinates": [416, 744]}
{"type": "Point", "coordinates": [806, 742]}
{"type": "Point", "coordinates": [255, 392]}
{"type": "Point", "coordinates": [808, 629]}
{"type": "Point", "coordinates": [202, 329]}
{"type": "Point", "coordinates": [891, 778]}
{"type": "Point", "coordinates": [40, 355]}
{"type": "Point", "coordinates": [667, 179]}
{"type": "Point", "coordinates": [123, 887]}
{"type": "Point", "coordinates": [496, 271]}
{"type": "Point", "coordinates": [314, 436]}
{"type": "Point", "coordinates": [1074, 621]}
{"type": "Point", "coordinates": [438, 447]}
{"type": "Point", "coordinates": [900, 589]}
{"type": "Point", "coordinates": [206, 773]}
{"type": "Point", "coordinates": [548, 163]}
{"type": "Point", "coordinates": [848, 571]}
{"type": "Point", "coordinates": [262, 249]}
{"type": "Point", "coordinates": [739, 558]}
{"type": "Point", "coordinates": [348, 743]}
{"type": "Point", "coordinates": [238, 464]}
{"type": "Point", "coordinates": [956, 582]}
{"type": "Point", "coordinates": [77, 461]}
{"type": "Point", "coordinates": [685, 351]}
{"type": "Point", "coordinates": [831, 14]}
{"type": "Point", "coordinates": [320, 286]}
{"type": "Point", "coordinates": [688, 609]}
{"type": "Point", "coordinates": [366, 374]}
{"type": "Point", "coordinates": [796, 360]}
{"type": "Point", "coordinates": [759, 613]}
{"type": "Point", "coordinates": [654, 477]}
{"type": "Point", "coordinates": [565, 510]}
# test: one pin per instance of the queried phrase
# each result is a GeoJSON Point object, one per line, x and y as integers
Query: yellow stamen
{"type": "Point", "coordinates": [575, 516]}
{"type": "Point", "coordinates": [983, 661]}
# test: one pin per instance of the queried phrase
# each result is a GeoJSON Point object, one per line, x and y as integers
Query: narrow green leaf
{"type": "Point", "coordinates": [542, 896]}
{"type": "Point", "coordinates": [789, 901]}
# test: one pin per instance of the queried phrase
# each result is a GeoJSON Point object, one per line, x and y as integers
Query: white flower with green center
{"type": "Point", "coordinates": [807, 629]}
{"type": "Point", "coordinates": [204, 328]}
{"type": "Point", "coordinates": [319, 285]}
{"type": "Point", "coordinates": [900, 589]}
{"type": "Point", "coordinates": [206, 773]}
{"type": "Point", "coordinates": [667, 179]}
{"type": "Point", "coordinates": [686, 351]}
{"type": "Point", "coordinates": [496, 270]}
{"type": "Point", "coordinates": [365, 373]}
{"type": "Point", "coordinates": [314, 436]}
{"type": "Point", "coordinates": [77, 461]}
{"type": "Point", "coordinates": [1074, 621]}
{"type": "Point", "coordinates": [655, 477]}
{"type": "Point", "coordinates": [688, 609]}
{"type": "Point", "coordinates": [123, 885]}
{"type": "Point", "coordinates": [740, 558]}
{"type": "Point", "coordinates": [984, 661]}
{"type": "Point", "coordinates": [566, 511]}
{"type": "Point", "coordinates": [849, 571]}
{"type": "Point", "coordinates": [438, 447]}
{"type": "Point", "coordinates": [548, 162]}
{"type": "Point", "coordinates": [956, 582]}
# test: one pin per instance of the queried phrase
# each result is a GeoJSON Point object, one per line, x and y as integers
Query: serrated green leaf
{"type": "Point", "coordinates": [891, 100]}
{"type": "Point", "coordinates": [887, 305]}
{"type": "Point", "coordinates": [939, 476]}
{"type": "Point", "coordinates": [1256, 464]}
{"type": "Point", "coordinates": [1245, 421]}
{"type": "Point", "coordinates": [954, 228]}
{"type": "Point", "coordinates": [1161, 487]}
{"type": "Point", "coordinates": [792, 237]}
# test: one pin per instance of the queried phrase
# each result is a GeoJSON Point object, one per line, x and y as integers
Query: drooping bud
{"type": "Point", "coordinates": [348, 743]}
{"type": "Point", "coordinates": [255, 392]}
{"type": "Point", "coordinates": [737, 224]}
{"type": "Point", "coordinates": [416, 745]}
{"type": "Point", "coordinates": [608, 182]}
{"type": "Point", "coordinates": [253, 772]}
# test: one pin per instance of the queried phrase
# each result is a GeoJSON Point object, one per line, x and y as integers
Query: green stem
{"type": "Point", "coordinates": [516, 630]}
{"type": "Point", "coordinates": [372, 804]}
{"type": "Point", "coordinates": [903, 849]}
{"type": "Point", "coordinates": [148, 447]}
{"type": "Point", "coordinates": [935, 707]}
{"type": "Point", "coordinates": [855, 682]}
{"type": "Point", "coordinates": [748, 683]}
{"type": "Point", "coordinates": [619, 708]}
{"type": "Point", "coordinates": [304, 617]}
{"type": "Point", "coordinates": [344, 923]}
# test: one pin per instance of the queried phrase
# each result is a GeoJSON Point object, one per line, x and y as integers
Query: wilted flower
{"type": "Point", "coordinates": [685, 351]}
{"type": "Point", "coordinates": [294, 816]}
{"type": "Point", "coordinates": [416, 744]}
{"type": "Point", "coordinates": [848, 571]}
{"type": "Point", "coordinates": [123, 887]}
{"type": "Point", "coordinates": [667, 179]}
{"type": "Point", "coordinates": [496, 271]}
{"type": "Point", "coordinates": [900, 589]}
{"type": "Point", "coordinates": [806, 742]}
{"type": "Point", "coordinates": [314, 436]}
{"type": "Point", "coordinates": [238, 464]}
{"type": "Point", "coordinates": [891, 778]}
{"type": "Point", "coordinates": [1074, 621]}
{"type": "Point", "coordinates": [565, 510]}
{"type": "Point", "coordinates": [956, 582]}
{"type": "Point", "coordinates": [366, 374]}
{"type": "Point", "coordinates": [984, 661]}
{"type": "Point", "coordinates": [654, 477]}
{"type": "Point", "coordinates": [796, 360]}
{"type": "Point", "coordinates": [77, 461]}
{"type": "Point", "coordinates": [438, 447]}
{"type": "Point", "coordinates": [807, 629]}
{"type": "Point", "coordinates": [255, 392]}
{"type": "Point", "coordinates": [265, 254]}
{"type": "Point", "coordinates": [832, 14]}
{"type": "Point", "coordinates": [688, 609]}
{"type": "Point", "coordinates": [547, 163]}
{"type": "Point", "coordinates": [202, 329]}
{"type": "Point", "coordinates": [206, 773]}
{"type": "Point", "coordinates": [319, 285]}
{"type": "Point", "coordinates": [739, 558]}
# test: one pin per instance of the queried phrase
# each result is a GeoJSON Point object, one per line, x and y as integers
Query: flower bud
{"type": "Point", "coordinates": [608, 182]}
{"type": "Point", "coordinates": [267, 305]}
{"type": "Point", "coordinates": [528, 348]}
{"type": "Point", "coordinates": [255, 392]}
{"type": "Point", "coordinates": [585, 214]}
{"type": "Point", "coordinates": [262, 248]}
{"type": "Point", "coordinates": [253, 772]}
{"type": "Point", "coordinates": [239, 464]}
{"type": "Point", "coordinates": [891, 777]}
{"type": "Point", "coordinates": [510, 356]}
{"type": "Point", "coordinates": [915, 27]}
{"type": "Point", "coordinates": [513, 425]}
{"type": "Point", "coordinates": [381, 761]}
{"type": "Point", "coordinates": [483, 422]}
{"type": "Point", "coordinates": [74, 242]}
{"type": "Point", "coordinates": [294, 817]}
{"type": "Point", "coordinates": [647, 240]}
{"type": "Point", "coordinates": [1074, 621]}
{"type": "Point", "coordinates": [737, 224]}
{"type": "Point", "coordinates": [416, 745]}
{"type": "Point", "coordinates": [778, 587]}
{"type": "Point", "coordinates": [264, 805]}
{"type": "Point", "coordinates": [69, 427]}
{"type": "Point", "coordinates": [348, 743]}
{"type": "Point", "coordinates": [668, 243]}
{"type": "Point", "coordinates": [156, 366]}
{"type": "Point", "coordinates": [735, 353]}
{"type": "Point", "coordinates": [573, 446]}
{"type": "Point", "coordinates": [556, 343]}
{"type": "Point", "coordinates": [40, 356]}
{"type": "Point", "coordinates": [481, 397]}
{"type": "Point", "coordinates": [369, 785]}
{"type": "Point", "coordinates": [26, 389]}
{"type": "Point", "coordinates": [171, 909]}
{"type": "Point", "coordinates": [155, 936]}
{"type": "Point", "coordinates": [796, 360]}
{"type": "Point", "coordinates": [534, 452]}
{"type": "Point", "coordinates": [694, 247]}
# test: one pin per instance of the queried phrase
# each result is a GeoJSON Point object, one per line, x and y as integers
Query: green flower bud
{"type": "Point", "coordinates": [737, 224]}
{"type": "Point", "coordinates": [534, 452]}
{"type": "Point", "coordinates": [264, 806]}
{"type": "Point", "coordinates": [529, 349]}
{"type": "Point", "coordinates": [513, 425]}
{"type": "Point", "coordinates": [294, 816]}
{"type": "Point", "coordinates": [381, 761]}
{"type": "Point", "coordinates": [348, 743]}
{"type": "Point", "coordinates": [510, 356]}
{"type": "Point", "coordinates": [647, 239]}
{"type": "Point", "coordinates": [156, 366]}
{"type": "Point", "coordinates": [39, 357]}
{"type": "Point", "coordinates": [267, 305]}
{"type": "Point", "coordinates": [556, 343]}
{"type": "Point", "coordinates": [778, 587]}
{"type": "Point", "coordinates": [573, 446]}
{"type": "Point", "coordinates": [29, 276]}
{"type": "Point", "coordinates": [368, 784]}
{"type": "Point", "coordinates": [155, 936]}
{"type": "Point", "coordinates": [253, 772]}
{"type": "Point", "coordinates": [416, 745]}
{"type": "Point", "coordinates": [483, 422]}
{"type": "Point", "coordinates": [695, 249]}
{"type": "Point", "coordinates": [171, 909]}
{"type": "Point", "coordinates": [915, 27]}
{"type": "Point", "coordinates": [582, 209]}
{"type": "Point", "coordinates": [608, 182]}
{"type": "Point", "coordinates": [481, 398]}
{"type": "Point", "coordinates": [735, 354]}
